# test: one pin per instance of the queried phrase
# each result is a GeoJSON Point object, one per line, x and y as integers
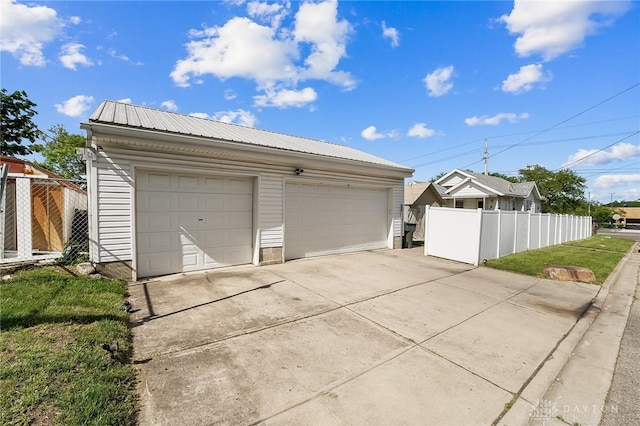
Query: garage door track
{"type": "Point", "coordinates": [380, 337]}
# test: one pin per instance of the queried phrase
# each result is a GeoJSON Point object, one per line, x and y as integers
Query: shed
{"type": "Point", "coordinates": [40, 211]}
{"type": "Point", "coordinates": [174, 193]}
{"type": "Point", "coordinates": [417, 195]}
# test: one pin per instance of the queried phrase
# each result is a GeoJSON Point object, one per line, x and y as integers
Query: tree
{"type": "Point", "coordinates": [438, 176]}
{"type": "Point", "coordinates": [512, 179]}
{"type": "Point", "coordinates": [60, 153]}
{"type": "Point", "coordinates": [17, 122]}
{"type": "Point", "coordinates": [563, 190]}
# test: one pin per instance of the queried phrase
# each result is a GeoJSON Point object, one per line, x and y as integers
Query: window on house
{"type": "Point", "coordinates": [459, 204]}
{"type": "Point", "coordinates": [481, 204]}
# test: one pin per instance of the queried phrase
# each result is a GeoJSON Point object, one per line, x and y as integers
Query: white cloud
{"type": "Point", "coordinates": [271, 55]}
{"type": "Point", "coordinates": [272, 13]}
{"type": "Point", "coordinates": [230, 94]}
{"type": "Point", "coordinates": [420, 130]}
{"type": "Point", "coordinates": [485, 120]}
{"type": "Point", "coordinates": [439, 82]}
{"type": "Point", "coordinates": [609, 181]}
{"type": "Point", "coordinates": [70, 56]}
{"type": "Point", "coordinates": [169, 105]}
{"type": "Point", "coordinates": [124, 100]}
{"type": "Point", "coordinates": [240, 116]}
{"type": "Point", "coordinates": [593, 157]}
{"type": "Point", "coordinates": [371, 133]}
{"type": "Point", "coordinates": [525, 79]}
{"type": "Point", "coordinates": [75, 106]}
{"type": "Point", "coordinates": [552, 28]}
{"type": "Point", "coordinates": [240, 48]}
{"type": "Point", "coordinates": [286, 98]}
{"type": "Point", "coordinates": [318, 25]}
{"type": "Point", "coordinates": [199, 115]}
{"type": "Point", "coordinates": [75, 20]}
{"type": "Point", "coordinates": [26, 29]}
{"type": "Point", "coordinates": [392, 34]}
{"type": "Point", "coordinates": [122, 57]}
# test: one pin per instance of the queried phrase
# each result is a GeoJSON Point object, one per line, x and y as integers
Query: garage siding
{"type": "Point", "coordinates": [396, 210]}
{"type": "Point", "coordinates": [112, 201]}
{"type": "Point", "coordinates": [114, 210]}
{"type": "Point", "coordinates": [271, 189]}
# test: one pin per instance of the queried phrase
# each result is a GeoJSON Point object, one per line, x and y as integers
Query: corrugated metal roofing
{"type": "Point", "coordinates": [140, 117]}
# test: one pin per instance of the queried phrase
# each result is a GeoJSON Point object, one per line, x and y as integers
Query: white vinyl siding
{"type": "Point", "coordinates": [396, 210]}
{"type": "Point", "coordinates": [271, 189]}
{"type": "Point", "coordinates": [453, 180]}
{"type": "Point", "coordinates": [114, 210]}
{"type": "Point", "coordinates": [113, 185]}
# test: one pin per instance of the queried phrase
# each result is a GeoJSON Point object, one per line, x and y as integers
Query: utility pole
{"type": "Point", "coordinates": [611, 203]}
{"type": "Point", "coordinates": [486, 157]}
{"type": "Point", "coordinates": [589, 205]}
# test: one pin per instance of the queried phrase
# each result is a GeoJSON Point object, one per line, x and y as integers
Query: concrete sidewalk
{"type": "Point", "coordinates": [384, 337]}
{"type": "Point", "coordinates": [573, 388]}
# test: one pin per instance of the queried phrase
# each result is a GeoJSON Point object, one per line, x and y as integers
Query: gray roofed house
{"type": "Point", "coordinates": [465, 189]}
{"type": "Point", "coordinates": [171, 193]}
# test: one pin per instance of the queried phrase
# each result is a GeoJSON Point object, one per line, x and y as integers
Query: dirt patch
{"type": "Point", "coordinates": [43, 415]}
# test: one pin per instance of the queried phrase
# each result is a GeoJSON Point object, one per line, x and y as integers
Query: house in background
{"type": "Point", "coordinates": [174, 193]}
{"type": "Point", "coordinates": [629, 217]}
{"type": "Point", "coordinates": [40, 211]}
{"type": "Point", "coordinates": [418, 195]}
{"type": "Point", "coordinates": [469, 190]}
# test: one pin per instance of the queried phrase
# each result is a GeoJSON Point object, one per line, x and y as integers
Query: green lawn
{"type": "Point", "coordinates": [52, 368]}
{"type": "Point", "coordinates": [599, 253]}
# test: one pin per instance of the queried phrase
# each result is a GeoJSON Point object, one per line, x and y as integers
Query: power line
{"type": "Point", "coordinates": [559, 123]}
{"type": "Point", "coordinates": [597, 151]}
{"type": "Point", "coordinates": [517, 134]}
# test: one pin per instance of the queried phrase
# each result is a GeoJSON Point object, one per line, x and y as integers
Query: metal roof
{"type": "Point", "coordinates": [141, 117]}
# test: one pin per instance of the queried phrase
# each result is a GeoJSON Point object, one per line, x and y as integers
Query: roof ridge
{"type": "Point", "coordinates": [223, 122]}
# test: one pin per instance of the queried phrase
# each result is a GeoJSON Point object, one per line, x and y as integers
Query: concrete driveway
{"type": "Point", "coordinates": [382, 337]}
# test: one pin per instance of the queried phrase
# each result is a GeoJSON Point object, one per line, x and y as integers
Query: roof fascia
{"type": "Point", "coordinates": [473, 182]}
{"type": "Point", "coordinates": [102, 130]}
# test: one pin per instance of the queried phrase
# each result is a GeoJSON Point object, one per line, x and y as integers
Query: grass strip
{"type": "Point", "coordinates": [599, 253]}
{"type": "Point", "coordinates": [52, 368]}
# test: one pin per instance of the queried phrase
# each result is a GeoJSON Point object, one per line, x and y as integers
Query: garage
{"type": "Point", "coordinates": [188, 222]}
{"type": "Point", "coordinates": [172, 193]}
{"type": "Point", "coordinates": [325, 219]}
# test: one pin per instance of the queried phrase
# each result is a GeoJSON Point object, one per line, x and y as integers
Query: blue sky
{"type": "Point", "coordinates": [554, 83]}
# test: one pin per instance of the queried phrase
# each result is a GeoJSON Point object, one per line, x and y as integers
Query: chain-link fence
{"type": "Point", "coordinates": [43, 218]}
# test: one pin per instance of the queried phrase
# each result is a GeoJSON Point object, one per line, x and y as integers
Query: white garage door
{"type": "Point", "coordinates": [190, 222]}
{"type": "Point", "coordinates": [323, 220]}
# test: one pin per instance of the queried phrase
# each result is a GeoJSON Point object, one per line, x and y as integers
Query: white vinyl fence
{"type": "Point", "coordinates": [471, 236]}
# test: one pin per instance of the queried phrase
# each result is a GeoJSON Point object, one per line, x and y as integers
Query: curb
{"type": "Point", "coordinates": [531, 399]}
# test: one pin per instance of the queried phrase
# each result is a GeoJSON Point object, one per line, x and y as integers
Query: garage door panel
{"type": "Point", "coordinates": [159, 241]}
{"type": "Point", "coordinates": [323, 219]}
{"type": "Point", "coordinates": [213, 202]}
{"type": "Point", "coordinates": [237, 203]}
{"type": "Point", "coordinates": [214, 184]}
{"type": "Point", "coordinates": [240, 186]}
{"type": "Point", "coordinates": [188, 183]}
{"type": "Point", "coordinates": [154, 180]}
{"type": "Point", "coordinates": [190, 222]}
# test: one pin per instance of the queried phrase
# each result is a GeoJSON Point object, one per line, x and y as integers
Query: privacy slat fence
{"type": "Point", "coordinates": [470, 236]}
